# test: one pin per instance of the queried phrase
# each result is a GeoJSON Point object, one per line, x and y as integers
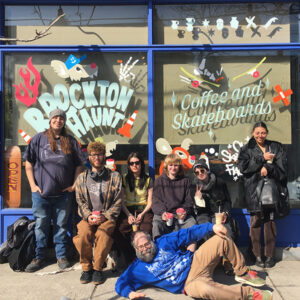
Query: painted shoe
{"type": "Point", "coordinates": [250, 278]}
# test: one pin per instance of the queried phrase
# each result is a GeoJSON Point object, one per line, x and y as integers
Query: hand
{"type": "Point", "coordinates": [164, 216]}
{"type": "Point", "coordinates": [263, 172]}
{"type": "Point", "coordinates": [268, 155]}
{"type": "Point", "coordinates": [94, 220]}
{"type": "Point", "coordinates": [139, 218]}
{"type": "Point", "coordinates": [69, 189]}
{"type": "Point", "coordinates": [198, 191]}
{"type": "Point", "coordinates": [36, 189]}
{"type": "Point", "coordinates": [131, 219]}
{"type": "Point", "coordinates": [220, 230]}
{"type": "Point", "coordinates": [136, 295]}
{"type": "Point", "coordinates": [102, 219]}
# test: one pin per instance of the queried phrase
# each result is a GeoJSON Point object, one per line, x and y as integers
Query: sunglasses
{"type": "Point", "coordinates": [137, 163]}
{"type": "Point", "coordinates": [201, 171]}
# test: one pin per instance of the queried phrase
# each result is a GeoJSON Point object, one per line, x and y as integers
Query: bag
{"type": "Point", "coordinates": [268, 193]}
{"type": "Point", "coordinates": [19, 248]}
{"type": "Point", "coordinates": [20, 257]}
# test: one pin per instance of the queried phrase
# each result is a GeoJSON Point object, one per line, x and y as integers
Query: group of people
{"type": "Point", "coordinates": [163, 228]}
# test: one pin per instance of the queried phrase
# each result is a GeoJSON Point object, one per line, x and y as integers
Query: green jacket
{"type": "Point", "coordinates": [111, 195]}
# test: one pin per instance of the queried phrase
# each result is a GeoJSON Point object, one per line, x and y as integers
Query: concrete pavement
{"type": "Point", "coordinates": [50, 284]}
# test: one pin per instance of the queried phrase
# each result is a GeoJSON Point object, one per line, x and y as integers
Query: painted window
{"type": "Point", "coordinates": [239, 23]}
{"type": "Point", "coordinates": [81, 25]}
{"type": "Point", "coordinates": [104, 96]}
{"type": "Point", "coordinates": [207, 103]}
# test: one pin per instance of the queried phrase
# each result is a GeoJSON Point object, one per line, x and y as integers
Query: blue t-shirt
{"type": "Point", "coordinates": [53, 172]}
{"type": "Point", "coordinates": [170, 267]}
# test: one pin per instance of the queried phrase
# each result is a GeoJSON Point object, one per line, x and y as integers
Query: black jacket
{"type": "Point", "coordinates": [215, 194]}
{"type": "Point", "coordinates": [251, 160]}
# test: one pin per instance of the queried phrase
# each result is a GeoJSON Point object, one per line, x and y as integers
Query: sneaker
{"type": "Point", "coordinates": [63, 263]}
{"type": "Point", "coordinates": [270, 262]}
{"type": "Point", "coordinates": [250, 278]}
{"type": "Point", "coordinates": [259, 262]}
{"type": "Point", "coordinates": [261, 295]}
{"type": "Point", "coordinates": [86, 276]}
{"type": "Point", "coordinates": [98, 277]}
{"type": "Point", "coordinates": [35, 265]}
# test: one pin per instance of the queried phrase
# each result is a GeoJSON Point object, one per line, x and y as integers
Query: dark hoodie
{"type": "Point", "coordinates": [168, 195]}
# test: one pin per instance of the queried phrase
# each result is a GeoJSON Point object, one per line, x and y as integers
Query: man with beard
{"type": "Point", "coordinates": [163, 264]}
{"type": "Point", "coordinates": [98, 194]}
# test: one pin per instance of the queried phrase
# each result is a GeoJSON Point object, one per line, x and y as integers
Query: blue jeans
{"type": "Point", "coordinates": [58, 210]}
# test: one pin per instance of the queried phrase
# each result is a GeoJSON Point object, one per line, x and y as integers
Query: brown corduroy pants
{"type": "Point", "coordinates": [269, 235]}
{"type": "Point", "coordinates": [199, 283]}
{"type": "Point", "coordinates": [101, 235]}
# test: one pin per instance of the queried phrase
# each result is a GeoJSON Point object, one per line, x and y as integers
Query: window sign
{"type": "Point", "coordinates": [206, 105]}
{"type": "Point", "coordinates": [104, 96]}
{"type": "Point", "coordinates": [226, 23]}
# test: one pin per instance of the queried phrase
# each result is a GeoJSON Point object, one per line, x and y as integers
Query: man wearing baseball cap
{"type": "Point", "coordinates": [53, 162]}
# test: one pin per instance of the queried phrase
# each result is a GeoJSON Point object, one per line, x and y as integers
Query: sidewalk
{"type": "Point", "coordinates": [49, 284]}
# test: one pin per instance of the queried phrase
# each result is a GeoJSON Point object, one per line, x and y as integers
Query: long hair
{"type": "Point", "coordinates": [170, 159]}
{"type": "Point", "coordinates": [65, 143]}
{"type": "Point", "coordinates": [130, 177]}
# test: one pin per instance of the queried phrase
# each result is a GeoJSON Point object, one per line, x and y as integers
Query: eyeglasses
{"type": "Point", "coordinates": [201, 171]}
{"type": "Point", "coordinates": [96, 155]}
{"type": "Point", "coordinates": [137, 163]}
{"type": "Point", "coordinates": [146, 246]}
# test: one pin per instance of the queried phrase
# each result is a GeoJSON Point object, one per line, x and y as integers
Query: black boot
{"type": "Point", "coordinates": [270, 262]}
{"type": "Point", "coordinates": [259, 262]}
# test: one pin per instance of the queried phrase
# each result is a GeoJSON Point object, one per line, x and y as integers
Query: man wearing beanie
{"type": "Point", "coordinates": [53, 162]}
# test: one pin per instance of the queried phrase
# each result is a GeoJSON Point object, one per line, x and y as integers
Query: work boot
{"type": "Point", "coordinates": [250, 278]}
{"type": "Point", "coordinates": [86, 276]}
{"type": "Point", "coordinates": [35, 265]}
{"type": "Point", "coordinates": [63, 263]}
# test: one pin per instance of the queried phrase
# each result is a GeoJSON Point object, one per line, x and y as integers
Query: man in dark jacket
{"type": "Point", "coordinates": [170, 192]}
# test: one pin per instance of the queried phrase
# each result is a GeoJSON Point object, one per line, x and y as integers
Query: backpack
{"type": "Point", "coordinates": [19, 248]}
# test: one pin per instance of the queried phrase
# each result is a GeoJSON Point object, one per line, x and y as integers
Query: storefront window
{"type": "Point", "coordinates": [103, 94]}
{"type": "Point", "coordinates": [240, 23]}
{"type": "Point", "coordinates": [207, 103]}
{"type": "Point", "coordinates": [81, 25]}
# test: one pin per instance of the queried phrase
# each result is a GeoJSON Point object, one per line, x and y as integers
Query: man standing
{"type": "Point", "coordinates": [98, 194]}
{"type": "Point", "coordinates": [164, 265]}
{"type": "Point", "coordinates": [53, 162]}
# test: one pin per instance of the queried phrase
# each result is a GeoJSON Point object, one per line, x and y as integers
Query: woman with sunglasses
{"type": "Point", "coordinates": [136, 205]}
{"type": "Point", "coordinates": [258, 159]}
{"type": "Point", "coordinates": [210, 196]}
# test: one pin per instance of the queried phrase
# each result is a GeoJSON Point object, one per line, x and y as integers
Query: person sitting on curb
{"type": "Point", "coordinates": [211, 196]}
{"type": "Point", "coordinates": [163, 264]}
{"type": "Point", "coordinates": [98, 194]}
{"type": "Point", "coordinates": [171, 192]}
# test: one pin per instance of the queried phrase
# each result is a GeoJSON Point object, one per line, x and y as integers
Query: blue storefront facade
{"type": "Point", "coordinates": [159, 77]}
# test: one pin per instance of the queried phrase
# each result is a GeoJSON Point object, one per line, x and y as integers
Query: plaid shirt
{"type": "Point", "coordinates": [111, 195]}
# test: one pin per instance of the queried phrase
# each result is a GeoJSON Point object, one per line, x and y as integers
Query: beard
{"type": "Point", "coordinates": [148, 254]}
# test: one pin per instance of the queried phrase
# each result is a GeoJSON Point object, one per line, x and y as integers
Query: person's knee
{"type": "Point", "coordinates": [199, 289]}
